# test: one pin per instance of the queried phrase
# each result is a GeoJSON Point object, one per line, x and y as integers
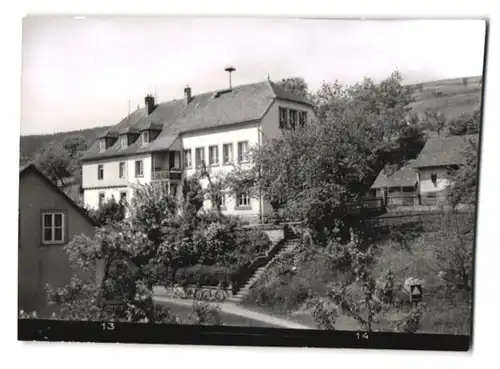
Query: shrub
{"type": "Point", "coordinates": [205, 314]}
{"type": "Point", "coordinates": [205, 275]}
{"type": "Point", "coordinates": [111, 212]}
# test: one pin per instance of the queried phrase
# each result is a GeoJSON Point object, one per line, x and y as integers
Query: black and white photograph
{"type": "Point", "coordinates": [250, 181]}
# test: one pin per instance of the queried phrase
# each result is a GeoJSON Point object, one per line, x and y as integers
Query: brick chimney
{"type": "Point", "coordinates": [150, 103]}
{"type": "Point", "coordinates": [187, 95]}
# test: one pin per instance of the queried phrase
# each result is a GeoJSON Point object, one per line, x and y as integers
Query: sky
{"type": "Point", "coordinates": [83, 73]}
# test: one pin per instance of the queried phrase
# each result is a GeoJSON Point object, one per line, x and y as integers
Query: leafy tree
{"type": "Point", "coordinates": [312, 171]}
{"type": "Point", "coordinates": [75, 145]}
{"type": "Point", "coordinates": [464, 179]}
{"type": "Point", "coordinates": [134, 254]}
{"type": "Point", "coordinates": [465, 124]}
{"type": "Point", "coordinates": [111, 212]}
{"type": "Point", "coordinates": [434, 121]}
{"type": "Point", "coordinates": [62, 160]}
{"type": "Point", "coordinates": [55, 163]}
{"type": "Point", "coordinates": [361, 296]}
{"type": "Point", "coordinates": [297, 86]}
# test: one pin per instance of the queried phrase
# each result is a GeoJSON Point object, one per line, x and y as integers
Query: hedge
{"type": "Point", "coordinates": [205, 275]}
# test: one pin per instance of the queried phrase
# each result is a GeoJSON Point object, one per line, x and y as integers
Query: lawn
{"type": "Point", "coordinates": [447, 310]}
{"type": "Point", "coordinates": [227, 319]}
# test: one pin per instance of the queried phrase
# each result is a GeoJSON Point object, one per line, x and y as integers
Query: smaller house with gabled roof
{"type": "Point", "coordinates": [437, 159]}
{"type": "Point", "coordinates": [48, 220]}
{"type": "Point", "coordinates": [398, 188]}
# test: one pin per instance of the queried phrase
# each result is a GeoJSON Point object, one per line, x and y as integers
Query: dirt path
{"type": "Point", "coordinates": [232, 308]}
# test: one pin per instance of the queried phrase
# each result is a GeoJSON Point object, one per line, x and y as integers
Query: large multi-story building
{"type": "Point", "coordinates": [170, 140]}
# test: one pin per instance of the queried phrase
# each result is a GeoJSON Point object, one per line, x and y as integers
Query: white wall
{"type": "Point", "coordinates": [219, 137]}
{"type": "Point", "coordinates": [425, 182]}
{"type": "Point", "coordinates": [111, 184]}
{"type": "Point", "coordinates": [91, 197]}
{"type": "Point", "coordinates": [270, 122]}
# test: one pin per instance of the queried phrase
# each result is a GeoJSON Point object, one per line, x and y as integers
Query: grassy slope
{"type": "Point", "coordinates": [450, 97]}
{"type": "Point", "coordinates": [447, 312]}
{"type": "Point", "coordinates": [455, 98]}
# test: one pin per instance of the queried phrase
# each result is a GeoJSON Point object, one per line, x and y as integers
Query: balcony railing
{"type": "Point", "coordinates": [166, 174]}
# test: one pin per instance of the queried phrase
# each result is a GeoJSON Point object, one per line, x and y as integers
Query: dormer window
{"type": "Point", "coordinates": [145, 137]}
{"type": "Point", "coordinates": [123, 141]}
{"type": "Point", "coordinates": [102, 145]}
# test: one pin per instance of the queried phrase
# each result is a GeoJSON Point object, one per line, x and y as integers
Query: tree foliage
{"type": "Point", "coordinates": [464, 179]}
{"type": "Point", "coordinates": [55, 163]}
{"type": "Point", "coordinates": [111, 212]}
{"type": "Point", "coordinates": [465, 124]}
{"type": "Point", "coordinates": [62, 160]}
{"type": "Point", "coordinates": [297, 86]}
{"type": "Point", "coordinates": [310, 172]}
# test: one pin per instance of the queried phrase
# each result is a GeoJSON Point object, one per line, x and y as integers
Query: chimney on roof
{"type": "Point", "coordinates": [187, 95]}
{"type": "Point", "coordinates": [150, 103]}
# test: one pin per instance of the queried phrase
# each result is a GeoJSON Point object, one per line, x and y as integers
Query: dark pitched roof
{"type": "Point", "coordinates": [444, 151]}
{"type": "Point", "coordinates": [245, 103]}
{"type": "Point", "coordinates": [31, 168]}
{"type": "Point", "coordinates": [404, 177]}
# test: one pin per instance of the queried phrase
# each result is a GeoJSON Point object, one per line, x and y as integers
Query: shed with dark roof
{"type": "Point", "coordinates": [442, 152]}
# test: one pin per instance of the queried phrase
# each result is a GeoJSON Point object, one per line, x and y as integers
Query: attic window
{"type": "Point", "coordinates": [283, 119]}
{"type": "Point", "coordinates": [145, 137]}
{"type": "Point", "coordinates": [102, 145]}
{"type": "Point", "coordinates": [123, 141]}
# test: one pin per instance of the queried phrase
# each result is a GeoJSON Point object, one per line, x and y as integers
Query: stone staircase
{"type": "Point", "coordinates": [288, 247]}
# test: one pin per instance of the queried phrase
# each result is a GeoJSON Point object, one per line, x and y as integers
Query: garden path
{"type": "Point", "coordinates": [232, 308]}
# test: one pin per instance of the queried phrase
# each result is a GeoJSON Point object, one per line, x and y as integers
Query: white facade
{"type": "Point", "coordinates": [111, 183]}
{"type": "Point", "coordinates": [433, 183]}
{"type": "Point", "coordinates": [210, 141]}
{"type": "Point", "coordinates": [426, 183]}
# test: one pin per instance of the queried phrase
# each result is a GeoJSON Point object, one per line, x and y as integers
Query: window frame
{"type": "Point", "coordinates": [302, 118]}
{"type": "Point", "coordinates": [122, 197]}
{"type": "Point", "coordinates": [99, 195]}
{"type": "Point", "coordinates": [434, 178]}
{"type": "Point", "coordinates": [222, 200]}
{"type": "Point", "coordinates": [173, 193]}
{"type": "Point", "coordinates": [247, 160]}
{"type": "Point", "coordinates": [121, 169]}
{"type": "Point", "coordinates": [185, 151]}
{"type": "Point", "coordinates": [63, 227]}
{"type": "Point", "coordinates": [145, 137]}
{"type": "Point", "coordinates": [292, 113]}
{"type": "Point", "coordinates": [123, 141]}
{"type": "Point", "coordinates": [283, 117]}
{"type": "Point", "coordinates": [240, 206]}
{"type": "Point", "coordinates": [100, 172]}
{"type": "Point", "coordinates": [198, 162]}
{"type": "Point", "coordinates": [136, 172]}
{"type": "Point", "coordinates": [102, 145]}
{"type": "Point", "coordinates": [231, 151]}
{"type": "Point", "coordinates": [217, 162]}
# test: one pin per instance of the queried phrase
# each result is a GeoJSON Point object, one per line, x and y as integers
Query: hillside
{"type": "Point", "coordinates": [30, 144]}
{"type": "Point", "coordinates": [451, 97]}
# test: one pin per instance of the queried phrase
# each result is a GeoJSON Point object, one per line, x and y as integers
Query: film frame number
{"type": "Point", "coordinates": [106, 326]}
{"type": "Point", "coordinates": [362, 335]}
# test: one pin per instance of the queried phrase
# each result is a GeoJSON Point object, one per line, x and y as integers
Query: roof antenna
{"type": "Point", "coordinates": [129, 108]}
{"type": "Point", "coordinates": [230, 70]}
{"type": "Point", "coordinates": [155, 92]}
